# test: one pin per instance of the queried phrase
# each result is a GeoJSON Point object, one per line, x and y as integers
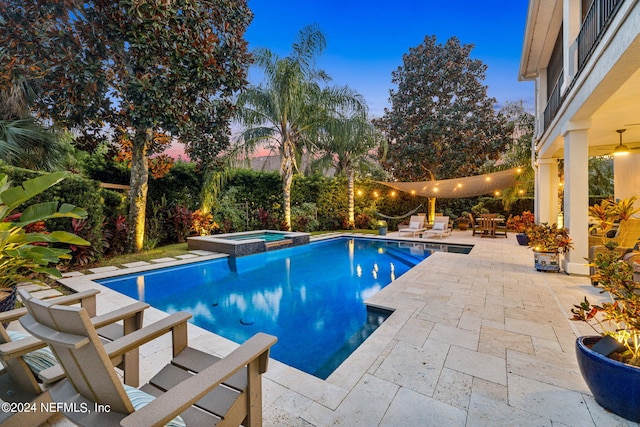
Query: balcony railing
{"type": "Point", "coordinates": [595, 23]}
{"type": "Point", "coordinates": [594, 26]}
{"type": "Point", "coordinates": [554, 101]}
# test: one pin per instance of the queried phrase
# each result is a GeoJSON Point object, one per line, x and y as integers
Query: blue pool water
{"type": "Point", "coordinates": [310, 297]}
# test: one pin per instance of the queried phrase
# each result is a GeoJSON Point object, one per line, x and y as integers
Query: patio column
{"type": "Point", "coordinates": [546, 200]}
{"type": "Point", "coordinates": [576, 197]}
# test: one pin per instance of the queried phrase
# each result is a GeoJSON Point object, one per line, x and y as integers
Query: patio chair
{"type": "Point", "coordinates": [29, 367]}
{"type": "Point", "coordinates": [192, 378]}
{"type": "Point", "coordinates": [627, 237]}
{"type": "Point", "coordinates": [416, 226]}
{"type": "Point", "coordinates": [475, 227]}
{"type": "Point", "coordinates": [627, 234]}
{"type": "Point", "coordinates": [440, 227]}
{"type": "Point", "coordinates": [501, 227]}
{"type": "Point", "coordinates": [487, 225]}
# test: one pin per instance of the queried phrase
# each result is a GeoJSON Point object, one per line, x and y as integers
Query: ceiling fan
{"type": "Point", "coordinates": [620, 149]}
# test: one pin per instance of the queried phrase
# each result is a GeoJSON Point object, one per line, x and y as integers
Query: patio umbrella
{"type": "Point", "coordinates": [470, 186]}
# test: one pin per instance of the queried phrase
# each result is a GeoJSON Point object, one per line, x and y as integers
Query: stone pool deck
{"type": "Point", "coordinates": [475, 340]}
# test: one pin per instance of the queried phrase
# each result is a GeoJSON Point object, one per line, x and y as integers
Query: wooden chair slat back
{"type": "Point", "coordinates": [71, 336]}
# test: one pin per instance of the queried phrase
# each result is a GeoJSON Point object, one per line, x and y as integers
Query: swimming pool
{"type": "Point", "coordinates": [311, 297]}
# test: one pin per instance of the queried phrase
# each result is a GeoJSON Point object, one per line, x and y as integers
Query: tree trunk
{"type": "Point", "coordinates": [286, 169]}
{"type": "Point", "coordinates": [350, 190]}
{"type": "Point", "coordinates": [432, 209]}
{"type": "Point", "coordinates": [138, 192]}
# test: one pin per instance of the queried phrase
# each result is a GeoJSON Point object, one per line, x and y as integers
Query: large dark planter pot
{"type": "Point", "coordinates": [9, 302]}
{"type": "Point", "coordinates": [382, 231]}
{"type": "Point", "coordinates": [615, 385]}
{"type": "Point", "coordinates": [522, 238]}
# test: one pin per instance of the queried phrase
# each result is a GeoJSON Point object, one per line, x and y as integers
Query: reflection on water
{"type": "Point", "coordinates": [310, 297]}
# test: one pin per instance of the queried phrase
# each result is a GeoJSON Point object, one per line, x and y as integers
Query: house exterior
{"type": "Point", "coordinates": [584, 57]}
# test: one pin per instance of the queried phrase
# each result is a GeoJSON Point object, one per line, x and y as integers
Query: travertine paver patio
{"type": "Point", "coordinates": [478, 339]}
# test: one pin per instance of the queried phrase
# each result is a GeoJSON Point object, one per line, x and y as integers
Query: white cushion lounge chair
{"type": "Point", "coordinates": [416, 226]}
{"type": "Point", "coordinates": [440, 227]}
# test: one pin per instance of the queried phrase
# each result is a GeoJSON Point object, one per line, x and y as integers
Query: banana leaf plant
{"type": "Point", "coordinates": [25, 254]}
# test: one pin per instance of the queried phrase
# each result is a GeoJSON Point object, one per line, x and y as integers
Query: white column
{"type": "Point", "coordinates": [571, 22]}
{"type": "Point", "coordinates": [626, 179]}
{"type": "Point", "coordinates": [576, 197]}
{"type": "Point", "coordinates": [547, 191]}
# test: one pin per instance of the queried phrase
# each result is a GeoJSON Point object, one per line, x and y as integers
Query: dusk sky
{"type": "Point", "coordinates": [366, 39]}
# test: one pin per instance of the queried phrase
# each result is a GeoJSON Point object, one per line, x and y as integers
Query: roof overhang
{"type": "Point", "coordinates": [544, 18]}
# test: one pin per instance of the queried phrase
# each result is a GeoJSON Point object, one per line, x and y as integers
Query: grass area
{"type": "Point", "coordinates": [159, 252]}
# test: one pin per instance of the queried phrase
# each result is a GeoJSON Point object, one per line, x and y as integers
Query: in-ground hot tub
{"type": "Point", "coordinates": [248, 242]}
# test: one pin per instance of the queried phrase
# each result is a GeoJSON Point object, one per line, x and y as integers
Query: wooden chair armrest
{"type": "Point", "coordinates": [119, 314]}
{"type": "Point", "coordinates": [176, 400]}
{"type": "Point", "coordinates": [20, 347]}
{"type": "Point", "coordinates": [52, 374]}
{"type": "Point", "coordinates": [85, 298]}
{"type": "Point", "coordinates": [148, 333]}
{"type": "Point", "coordinates": [11, 315]}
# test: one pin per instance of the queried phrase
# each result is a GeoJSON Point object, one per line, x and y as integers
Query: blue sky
{"type": "Point", "coordinates": [366, 39]}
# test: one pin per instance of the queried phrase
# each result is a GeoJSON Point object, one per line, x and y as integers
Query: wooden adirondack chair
{"type": "Point", "coordinates": [92, 382]}
{"type": "Point", "coordinates": [24, 360]}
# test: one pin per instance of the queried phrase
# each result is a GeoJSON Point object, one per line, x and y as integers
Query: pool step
{"type": "Point", "coordinates": [277, 244]}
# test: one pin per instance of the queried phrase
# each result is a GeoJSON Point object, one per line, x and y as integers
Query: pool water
{"type": "Point", "coordinates": [311, 297]}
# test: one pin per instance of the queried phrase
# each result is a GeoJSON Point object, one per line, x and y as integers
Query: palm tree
{"type": "Point", "coordinates": [287, 111]}
{"type": "Point", "coordinates": [23, 141]}
{"type": "Point", "coordinates": [348, 142]}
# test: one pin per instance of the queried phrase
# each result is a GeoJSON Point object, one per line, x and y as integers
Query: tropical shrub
{"type": "Point", "coordinates": [116, 236]}
{"type": "Point", "coordinates": [304, 217]}
{"type": "Point", "coordinates": [180, 222]}
{"type": "Point", "coordinates": [203, 224]}
{"type": "Point", "coordinates": [26, 248]}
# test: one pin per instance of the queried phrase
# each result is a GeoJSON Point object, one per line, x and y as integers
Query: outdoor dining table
{"type": "Point", "coordinates": [487, 225]}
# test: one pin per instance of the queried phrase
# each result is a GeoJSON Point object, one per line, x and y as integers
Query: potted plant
{"type": "Point", "coordinates": [463, 221]}
{"type": "Point", "coordinates": [610, 361]}
{"type": "Point", "coordinates": [547, 242]}
{"type": "Point", "coordinates": [520, 224]}
{"type": "Point", "coordinates": [25, 251]}
{"type": "Point", "coordinates": [382, 227]}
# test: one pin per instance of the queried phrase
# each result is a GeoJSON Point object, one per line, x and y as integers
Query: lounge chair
{"type": "Point", "coordinates": [29, 367]}
{"type": "Point", "coordinates": [92, 382]}
{"type": "Point", "coordinates": [440, 227]}
{"type": "Point", "coordinates": [416, 226]}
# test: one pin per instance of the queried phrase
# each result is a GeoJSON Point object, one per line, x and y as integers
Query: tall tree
{"type": "Point", "coordinates": [287, 110]}
{"type": "Point", "coordinates": [138, 68]}
{"type": "Point", "coordinates": [441, 123]}
{"type": "Point", "coordinates": [348, 141]}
